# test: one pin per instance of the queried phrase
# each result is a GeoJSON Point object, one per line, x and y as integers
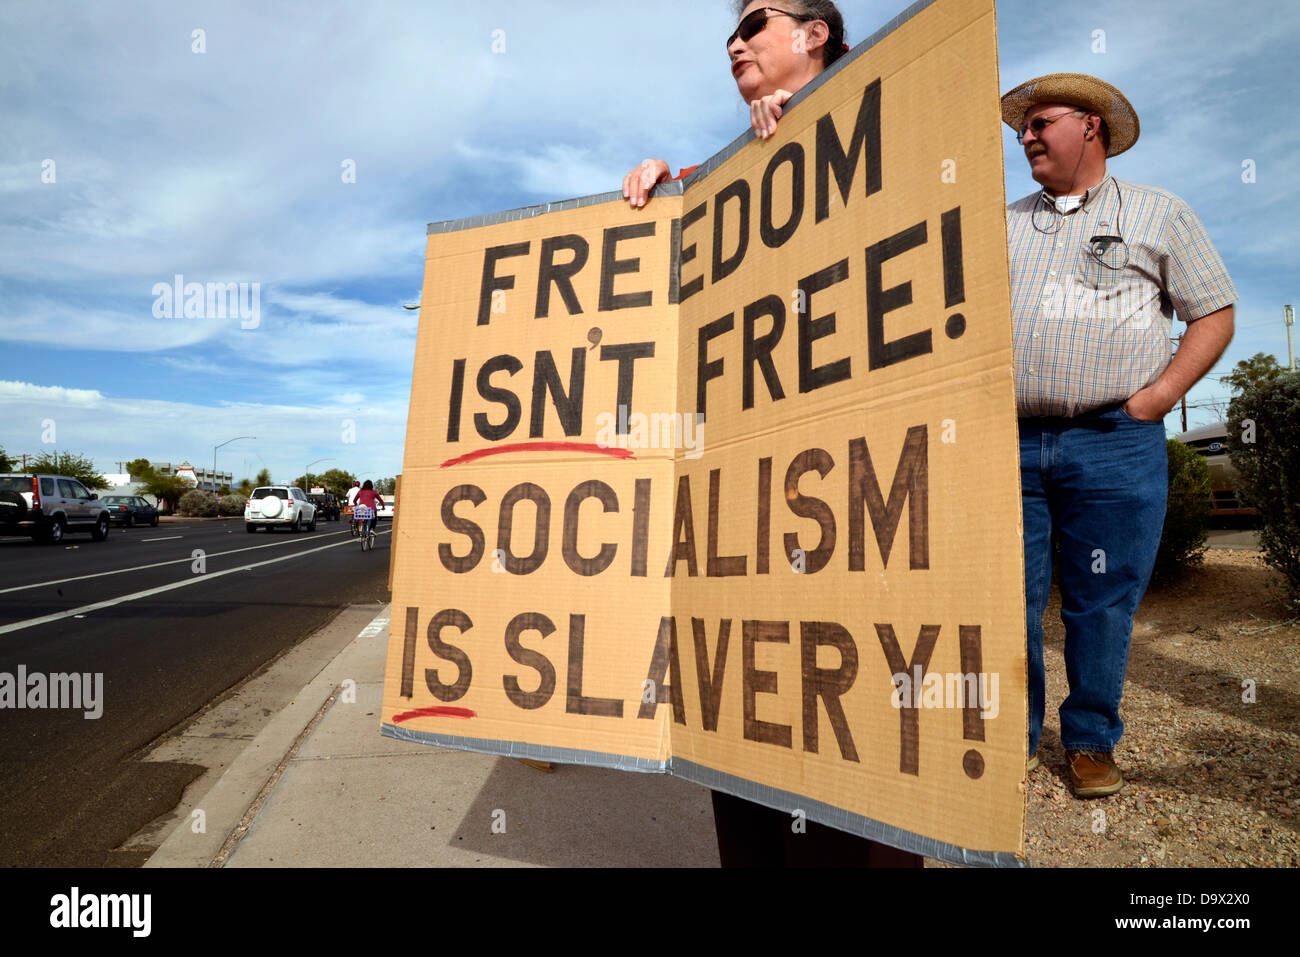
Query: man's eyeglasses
{"type": "Point", "coordinates": [1039, 123]}
{"type": "Point", "coordinates": [752, 25]}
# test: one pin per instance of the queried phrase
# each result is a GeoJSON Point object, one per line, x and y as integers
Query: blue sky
{"type": "Point", "coordinates": [226, 166]}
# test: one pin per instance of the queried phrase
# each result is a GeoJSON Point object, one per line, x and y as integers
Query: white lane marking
{"type": "Point", "coordinates": [109, 603]}
{"type": "Point", "coordinates": [167, 539]}
{"type": "Point", "coordinates": [172, 561]}
{"type": "Point", "coordinates": [374, 628]}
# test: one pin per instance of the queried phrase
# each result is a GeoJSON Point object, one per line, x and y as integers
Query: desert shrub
{"type": "Point", "coordinates": [1187, 516]}
{"type": "Point", "coordinates": [1263, 422]}
{"type": "Point", "coordinates": [197, 503]}
{"type": "Point", "coordinates": [232, 505]}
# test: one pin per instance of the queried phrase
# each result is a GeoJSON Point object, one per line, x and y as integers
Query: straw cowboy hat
{"type": "Point", "coordinates": [1081, 90]}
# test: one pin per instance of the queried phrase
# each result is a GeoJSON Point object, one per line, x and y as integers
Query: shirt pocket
{"type": "Point", "coordinates": [1096, 274]}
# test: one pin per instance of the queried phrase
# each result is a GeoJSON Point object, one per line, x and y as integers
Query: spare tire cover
{"type": "Point", "coordinates": [271, 506]}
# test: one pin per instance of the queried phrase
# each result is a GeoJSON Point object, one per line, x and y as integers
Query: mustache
{"type": "Point", "coordinates": [1035, 149]}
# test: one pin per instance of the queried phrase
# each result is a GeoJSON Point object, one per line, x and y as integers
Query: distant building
{"type": "Point", "coordinates": [194, 477]}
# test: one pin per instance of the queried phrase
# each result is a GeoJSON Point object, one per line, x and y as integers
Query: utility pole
{"type": "Point", "coordinates": [1288, 316]}
{"type": "Point", "coordinates": [1179, 339]}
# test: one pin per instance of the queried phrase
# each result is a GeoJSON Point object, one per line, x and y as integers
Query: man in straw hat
{"type": "Point", "coordinates": [1098, 269]}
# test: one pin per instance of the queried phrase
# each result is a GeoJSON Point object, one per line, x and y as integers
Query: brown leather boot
{"type": "Point", "coordinates": [1093, 773]}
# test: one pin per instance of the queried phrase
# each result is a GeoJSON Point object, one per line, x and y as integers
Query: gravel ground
{"type": "Point", "coordinates": [1210, 779]}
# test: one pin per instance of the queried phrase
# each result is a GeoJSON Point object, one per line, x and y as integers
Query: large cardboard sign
{"type": "Point", "coordinates": [728, 487]}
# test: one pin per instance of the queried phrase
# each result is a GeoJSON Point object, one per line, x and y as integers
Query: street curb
{"type": "Point", "coordinates": [232, 803]}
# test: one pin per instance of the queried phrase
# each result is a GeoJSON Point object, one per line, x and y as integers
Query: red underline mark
{"type": "Point", "coordinates": [587, 448]}
{"type": "Point", "coordinates": [434, 712]}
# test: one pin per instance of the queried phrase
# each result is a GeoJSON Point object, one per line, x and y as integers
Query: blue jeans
{"type": "Point", "coordinates": [1098, 484]}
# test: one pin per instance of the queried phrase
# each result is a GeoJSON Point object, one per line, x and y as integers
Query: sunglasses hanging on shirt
{"type": "Point", "coordinates": [1109, 249]}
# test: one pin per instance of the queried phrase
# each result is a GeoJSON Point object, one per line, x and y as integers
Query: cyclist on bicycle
{"type": "Point", "coordinates": [368, 497]}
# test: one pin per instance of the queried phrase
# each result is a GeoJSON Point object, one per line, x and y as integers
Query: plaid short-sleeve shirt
{"type": "Point", "coordinates": [1087, 334]}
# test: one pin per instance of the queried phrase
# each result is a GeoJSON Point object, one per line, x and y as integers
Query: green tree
{"type": "Point", "coordinates": [387, 486]}
{"type": "Point", "coordinates": [1262, 423]}
{"type": "Point", "coordinates": [337, 481]}
{"type": "Point", "coordinates": [245, 487]}
{"type": "Point", "coordinates": [1257, 370]}
{"type": "Point", "coordinates": [1187, 516]}
{"type": "Point", "coordinates": [71, 464]}
{"type": "Point", "coordinates": [6, 463]}
{"type": "Point", "coordinates": [167, 489]}
{"type": "Point", "coordinates": [262, 478]}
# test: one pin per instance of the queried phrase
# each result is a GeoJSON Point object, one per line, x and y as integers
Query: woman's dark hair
{"type": "Point", "coordinates": [815, 10]}
{"type": "Point", "coordinates": [369, 484]}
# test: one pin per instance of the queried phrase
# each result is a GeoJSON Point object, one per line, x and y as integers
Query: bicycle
{"type": "Point", "coordinates": [361, 519]}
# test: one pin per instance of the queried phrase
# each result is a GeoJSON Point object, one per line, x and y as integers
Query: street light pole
{"type": "Point", "coordinates": [306, 475]}
{"type": "Point", "coordinates": [1288, 316]}
{"type": "Point", "coordinates": [214, 456]}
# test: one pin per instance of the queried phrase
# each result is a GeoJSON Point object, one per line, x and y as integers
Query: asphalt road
{"type": "Point", "coordinates": [172, 617]}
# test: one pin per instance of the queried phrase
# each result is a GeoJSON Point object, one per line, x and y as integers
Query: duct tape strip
{"type": "Point", "coordinates": [827, 814]}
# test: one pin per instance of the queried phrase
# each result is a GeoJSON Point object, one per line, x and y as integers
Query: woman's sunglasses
{"type": "Point", "coordinates": [752, 25]}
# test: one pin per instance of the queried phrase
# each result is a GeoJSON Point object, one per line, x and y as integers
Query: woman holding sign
{"type": "Point", "coordinates": [775, 51]}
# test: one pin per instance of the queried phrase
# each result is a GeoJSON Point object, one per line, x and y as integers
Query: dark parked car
{"type": "Point", "coordinates": [128, 510]}
{"type": "Point", "coordinates": [327, 505]}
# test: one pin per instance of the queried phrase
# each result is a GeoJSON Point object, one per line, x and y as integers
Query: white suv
{"type": "Point", "coordinates": [273, 505]}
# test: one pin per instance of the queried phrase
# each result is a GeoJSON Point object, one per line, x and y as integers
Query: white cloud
{"type": "Point", "coordinates": [28, 392]}
{"type": "Point", "coordinates": [553, 172]}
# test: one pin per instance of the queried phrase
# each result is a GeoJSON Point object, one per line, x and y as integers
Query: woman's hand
{"type": "Point", "coordinates": [638, 183]}
{"type": "Point", "coordinates": [764, 112]}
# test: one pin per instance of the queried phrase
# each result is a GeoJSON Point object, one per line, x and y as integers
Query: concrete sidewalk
{"type": "Point", "coordinates": [318, 786]}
